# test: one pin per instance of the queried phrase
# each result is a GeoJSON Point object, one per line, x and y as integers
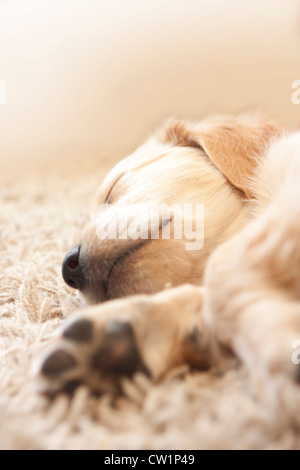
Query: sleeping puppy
{"type": "Point", "coordinates": [183, 164]}
{"type": "Point", "coordinates": [226, 165]}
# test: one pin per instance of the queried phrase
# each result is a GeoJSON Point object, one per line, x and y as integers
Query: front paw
{"type": "Point", "coordinates": [97, 356]}
{"type": "Point", "coordinates": [145, 334]}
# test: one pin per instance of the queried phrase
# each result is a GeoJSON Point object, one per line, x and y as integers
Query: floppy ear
{"type": "Point", "coordinates": [233, 144]}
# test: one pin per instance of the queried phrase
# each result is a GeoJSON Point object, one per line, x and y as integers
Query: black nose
{"type": "Point", "coordinates": [72, 271]}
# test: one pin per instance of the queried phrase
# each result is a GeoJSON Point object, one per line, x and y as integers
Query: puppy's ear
{"type": "Point", "coordinates": [234, 145]}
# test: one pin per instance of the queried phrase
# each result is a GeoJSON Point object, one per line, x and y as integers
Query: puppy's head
{"type": "Point", "coordinates": [162, 210]}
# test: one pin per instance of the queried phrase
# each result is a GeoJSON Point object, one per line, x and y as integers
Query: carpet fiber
{"type": "Point", "coordinates": [40, 213]}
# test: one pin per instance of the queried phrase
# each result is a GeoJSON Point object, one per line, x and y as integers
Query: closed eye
{"type": "Point", "coordinates": [109, 197]}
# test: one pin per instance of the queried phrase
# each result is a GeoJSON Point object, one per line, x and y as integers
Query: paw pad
{"type": "Point", "coordinates": [58, 362]}
{"type": "Point", "coordinates": [118, 353]}
{"type": "Point", "coordinates": [80, 331]}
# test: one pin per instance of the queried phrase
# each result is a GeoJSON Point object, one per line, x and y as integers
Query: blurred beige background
{"type": "Point", "coordinates": [90, 79]}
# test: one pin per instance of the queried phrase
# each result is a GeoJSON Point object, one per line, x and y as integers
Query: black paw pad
{"type": "Point", "coordinates": [80, 331]}
{"type": "Point", "coordinates": [118, 353]}
{"type": "Point", "coordinates": [58, 362]}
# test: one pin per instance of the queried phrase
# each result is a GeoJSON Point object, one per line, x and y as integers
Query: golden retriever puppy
{"type": "Point", "coordinates": [257, 272]}
{"type": "Point", "coordinates": [218, 164]}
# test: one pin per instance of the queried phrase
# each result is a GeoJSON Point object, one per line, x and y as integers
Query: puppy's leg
{"type": "Point", "coordinates": [253, 290]}
{"type": "Point", "coordinates": [147, 334]}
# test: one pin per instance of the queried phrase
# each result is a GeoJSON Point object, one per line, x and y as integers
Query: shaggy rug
{"type": "Point", "coordinates": [41, 210]}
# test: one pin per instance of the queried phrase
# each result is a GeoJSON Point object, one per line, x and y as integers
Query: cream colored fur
{"type": "Point", "coordinates": [258, 270]}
